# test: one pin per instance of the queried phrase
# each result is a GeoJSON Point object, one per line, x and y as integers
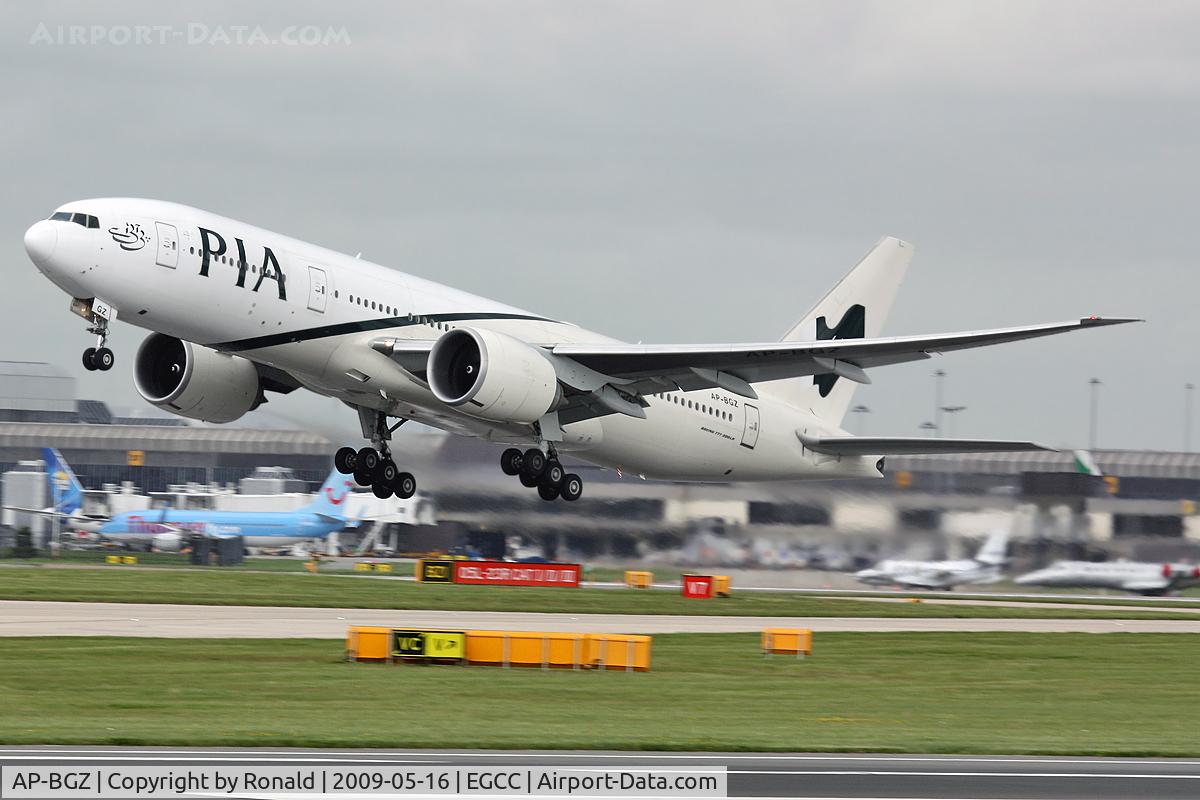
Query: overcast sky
{"type": "Point", "coordinates": [670, 172]}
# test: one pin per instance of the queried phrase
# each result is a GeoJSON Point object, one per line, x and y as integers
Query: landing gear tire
{"type": "Point", "coordinates": [345, 459]}
{"type": "Point", "coordinates": [510, 461]}
{"type": "Point", "coordinates": [368, 461]}
{"type": "Point", "coordinates": [571, 488]}
{"type": "Point", "coordinates": [387, 472]}
{"type": "Point", "coordinates": [104, 359]}
{"type": "Point", "coordinates": [405, 485]}
{"type": "Point", "coordinates": [533, 462]}
{"type": "Point", "coordinates": [381, 490]}
{"type": "Point", "coordinates": [362, 478]}
{"type": "Point", "coordinates": [89, 359]}
{"type": "Point", "coordinates": [547, 491]}
{"type": "Point", "coordinates": [529, 481]}
{"type": "Point", "coordinates": [553, 473]}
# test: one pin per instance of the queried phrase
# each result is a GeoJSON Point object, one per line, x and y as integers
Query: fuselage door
{"type": "Point", "coordinates": [317, 289]}
{"type": "Point", "coordinates": [168, 245]}
{"type": "Point", "coordinates": [750, 434]}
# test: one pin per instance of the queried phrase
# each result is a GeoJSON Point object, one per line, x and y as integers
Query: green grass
{"type": "Point", "coordinates": [1103, 694]}
{"type": "Point", "coordinates": [221, 587]}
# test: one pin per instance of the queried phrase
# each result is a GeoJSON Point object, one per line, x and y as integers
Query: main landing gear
{"type": "Point", "coordinates": [99, 357]}
{"type": "Point", "coordinates": [536, 469]}
{"type": "Point", "coordinates": [375, 467]}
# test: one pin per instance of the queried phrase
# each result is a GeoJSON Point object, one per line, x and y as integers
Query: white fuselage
{"type": "Point", "coordinates": [929, 574]}
{"type": "Point", "coordinates": [1127, 576]}
{"type": "Point", "coordinates": [311, 312]}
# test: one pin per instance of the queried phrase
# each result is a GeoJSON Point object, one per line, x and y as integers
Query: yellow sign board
{"type": "Point", "coordinates": [135, 458]}
{"type": "Point", "coordinates": [429, 644]}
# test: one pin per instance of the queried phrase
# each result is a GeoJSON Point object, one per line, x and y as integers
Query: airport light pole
{"type": "Point", "coordinates": [1188, 388]}
{"type": "Point", "coordinates": [952, 410]}
{"type": "Point", "coordinates": [939, 377]}
{"type": "Point", "coordinates": [1095, 384]}
{"type": "Point", "coordinates": [860, 410]}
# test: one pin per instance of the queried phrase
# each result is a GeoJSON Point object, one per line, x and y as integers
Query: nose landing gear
{"type": "Point", "coordinates": [545, 473]}
{"type": "Point", "coordinates": [99, 357]}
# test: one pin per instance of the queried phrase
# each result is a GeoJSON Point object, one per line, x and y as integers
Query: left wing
{"type": "Point", "coordinates": [751, 363]}
{"type": "Point", "coordinates": [611, 377]}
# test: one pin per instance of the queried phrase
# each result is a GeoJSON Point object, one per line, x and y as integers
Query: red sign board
{"type": "Point", "coordinates": [507, 573]}
{"type": "Point", "coordinates": [697, 586]}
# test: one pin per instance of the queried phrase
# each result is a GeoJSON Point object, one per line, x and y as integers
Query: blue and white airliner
{"type": "Point", "coordinates": [166, 528]}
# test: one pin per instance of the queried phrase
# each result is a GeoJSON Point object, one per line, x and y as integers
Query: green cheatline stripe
{"type": "Point", "coordinates": [362, 326]}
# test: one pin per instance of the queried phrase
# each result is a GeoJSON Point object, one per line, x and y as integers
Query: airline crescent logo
{"type": "Point", "coordinates": [337, 501]}
{"type": "Point", "coordinates": [132, 238]}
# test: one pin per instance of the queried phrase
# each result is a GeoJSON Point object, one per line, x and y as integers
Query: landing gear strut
{"type": "Point", "coordinates": [373, 466]}
{"type": "Point", "coordinates": [99, 357]}
{"type": "Point", "coordinates": [537, 469]}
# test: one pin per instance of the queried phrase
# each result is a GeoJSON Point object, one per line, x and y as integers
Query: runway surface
{"type": "Point", "coordinates": [37, 618]}
{"type": "Point", "coordinates": [749, 774]}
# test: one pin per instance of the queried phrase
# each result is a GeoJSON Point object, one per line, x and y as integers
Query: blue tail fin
{"type": "Point", "coordinates": [331, 497]}
{"type": "Point", "coordinates": [65, 491]}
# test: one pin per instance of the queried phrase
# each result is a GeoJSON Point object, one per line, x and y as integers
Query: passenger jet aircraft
{"type": "Point", "coordinates": [985, 567]}
{"type": "Point", "coordinates": [1140, 577]}
{"type": "Point", "coordinates": [166, 528]}
{"type": "Point", "coordinates": [235, 312]}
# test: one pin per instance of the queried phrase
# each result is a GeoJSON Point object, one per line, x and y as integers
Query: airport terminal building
{"type": "Point", "coordinates": [1145, 496]}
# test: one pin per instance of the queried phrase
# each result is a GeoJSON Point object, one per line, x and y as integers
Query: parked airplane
{"type": "Point", "coordinates": [236, 311]}
{"type": "Point", "coordinates": [985, 567]}
{"type": "Point", "coordinates": [66, 496]}
{"type": "Point", "coordinates": [1127, 576]}
{"type": "Point", "coordinates": [166, 528]}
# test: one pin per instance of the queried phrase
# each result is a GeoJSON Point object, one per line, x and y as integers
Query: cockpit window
{"type": "Point", "coordinates": [86, 220]}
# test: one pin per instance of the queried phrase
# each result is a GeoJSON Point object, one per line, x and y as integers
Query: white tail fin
{"type": "Point", "coordinates": [1085, 464]}
{"type": "Point", "coordinates": [995, 550]}
{"type": "Point", "coordinates": [854, 308]}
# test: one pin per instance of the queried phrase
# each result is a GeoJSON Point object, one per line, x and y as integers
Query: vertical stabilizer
{"type": "Point", "coordinates": [995, 549]}
{"type": "Point", "coordinates": [64, 490]}
{"type": "Point", "coordinates": [331, 497]}
{"type": "Point", "coordinates": [855, 308]}
{"type": "Point", "coordinates": [1085, 464]}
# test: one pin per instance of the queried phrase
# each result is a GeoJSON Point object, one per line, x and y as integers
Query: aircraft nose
{"type": "Point", "coordinates": [40, 241]}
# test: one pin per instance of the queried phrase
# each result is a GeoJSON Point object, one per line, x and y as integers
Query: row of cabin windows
{"type": "Point", "coordinates": [86, 220]}
{"type": "Point", "coordinates": [357, 300]}
{"type": "Point", "coordinates": [231, 261]}
{"type": "Point", "coordinates": [703, 409]}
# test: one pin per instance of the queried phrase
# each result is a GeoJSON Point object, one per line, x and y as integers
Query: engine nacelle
{"type": "Point", "coordinates": [492, 376]}
{"type": "Point", "coordinates": [168, 542]}
{"type": "Point", "coordinates": [194, 381]}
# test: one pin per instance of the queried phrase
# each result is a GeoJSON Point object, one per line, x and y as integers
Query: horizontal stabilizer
{"type": "Point", "coordinates": [907, 446]}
